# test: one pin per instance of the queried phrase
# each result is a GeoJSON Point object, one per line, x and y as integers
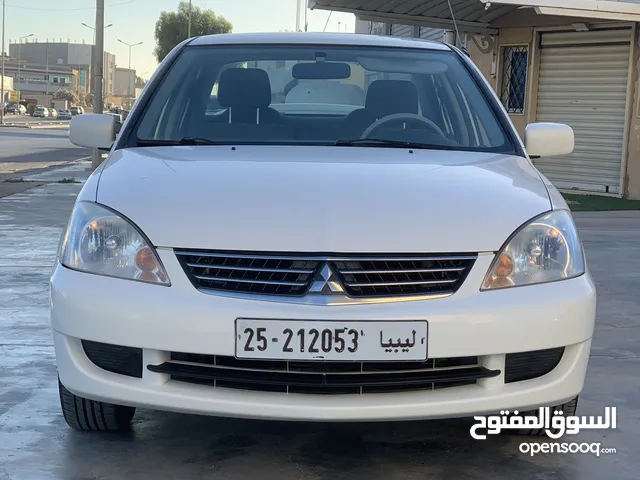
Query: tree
{"type": "Point", "coordinates": [172, 27]}
{"type": "Point", "coordinates": [64, 94]}
{"type": "Point", "coordinates": [140, 82]}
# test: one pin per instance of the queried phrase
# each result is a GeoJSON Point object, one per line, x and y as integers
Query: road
{"type": "Point", "coordinates": [36, 444]}
{"type": "Point", "coordinates": [24, 149]}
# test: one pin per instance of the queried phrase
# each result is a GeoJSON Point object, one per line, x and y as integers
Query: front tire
{"type": "Point", "coordinates": [92, 416]}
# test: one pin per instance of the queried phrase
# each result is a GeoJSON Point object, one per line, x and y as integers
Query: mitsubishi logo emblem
{"type": "Point", "coordinates": [326, 282]}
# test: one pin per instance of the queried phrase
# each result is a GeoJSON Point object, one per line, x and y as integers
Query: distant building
{"type": "Point", "coordinates": [74, 55]}
{"type": "Point", "coordinates": [37, 83]}
{"type": "Point", "coordinates": [125, 84]}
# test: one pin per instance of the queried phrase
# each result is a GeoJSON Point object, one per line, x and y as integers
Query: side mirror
{"type": "Point", "coordinates": [93, 131]}
{"type": "Point", "coordinates": [548, 139]}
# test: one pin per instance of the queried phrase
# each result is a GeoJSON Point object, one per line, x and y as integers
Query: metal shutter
{"type": "Point", "coordinates": [583, 83]}
{"type": "Point", "coordinates": [401, 31]}
{"type": "Point", "coordinates": [427, 33]}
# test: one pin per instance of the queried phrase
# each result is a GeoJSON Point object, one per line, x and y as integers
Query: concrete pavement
{"type": "Point", "coordinates": [28, 151]}
{"type": "Point", "coordinates": [36, 444]}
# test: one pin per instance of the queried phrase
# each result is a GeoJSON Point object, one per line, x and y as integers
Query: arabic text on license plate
{"type": "Point", "coordinates": [331, 340]}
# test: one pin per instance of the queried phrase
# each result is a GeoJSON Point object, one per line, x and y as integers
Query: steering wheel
{"type": "Point", "coordinates": [409, 117]}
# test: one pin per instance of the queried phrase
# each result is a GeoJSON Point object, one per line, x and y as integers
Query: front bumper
{"type": "Point", "coordinates": [179, 318]}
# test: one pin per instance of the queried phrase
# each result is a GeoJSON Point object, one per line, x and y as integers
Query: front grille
{"type": "Point", "coordinates": [115, 358]}
{"type": "Point", "coordinates": [529, 365]}
{"type": "Point", "coordinates": [322, 377]}
{"type": "Point", "coordinates": [367, 276]}
{"type": "Point", "coordinates": [391, 277]}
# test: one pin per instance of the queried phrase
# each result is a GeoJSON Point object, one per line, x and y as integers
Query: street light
{"type": "Point", "coordinates": [19, 45]}
{"type": "Point", "coordinates": [130, 45]}
{"type": "Point", "coordinates": [94, 30]}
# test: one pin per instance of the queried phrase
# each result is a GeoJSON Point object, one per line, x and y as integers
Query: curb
{"type": "Point", "coordinates": [37, 125]}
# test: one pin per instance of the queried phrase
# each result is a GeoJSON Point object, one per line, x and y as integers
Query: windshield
{"type": "Point", "coordinates": [320, 95]}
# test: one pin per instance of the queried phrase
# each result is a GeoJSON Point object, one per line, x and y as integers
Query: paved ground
{"type": "Point", "coordinates": [36, 444]}
{"type": "Point", "coordinates": [25, 151]}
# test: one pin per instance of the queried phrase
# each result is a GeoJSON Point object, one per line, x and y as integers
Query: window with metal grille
{"type": "Point", "coordinates": [514, 77]}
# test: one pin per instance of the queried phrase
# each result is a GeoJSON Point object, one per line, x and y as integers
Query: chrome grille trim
{"type": "Point", "coordinates": [242, 280]}
{"type": "Point", "coordinates": [326, 258]}
{"type": "Point", "coordinates": [400, 284]}
{"type": "Point", "coordinates": [251, 269]}
{"type": "Point", "coordinates": [346, 272]}
{"type": "Point", "coordinates": [295, 278]}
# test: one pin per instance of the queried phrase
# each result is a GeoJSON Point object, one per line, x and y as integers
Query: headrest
{"type": "Point", "coordinates": [386, 97]}
{"type": "Point", "coordinates": [244, 87]}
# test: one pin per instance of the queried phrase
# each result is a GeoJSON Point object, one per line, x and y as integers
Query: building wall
{"type": "Point", "coordinates": [41, 53]}
{"type": "Point", "coordinates": [125, 82]}
{"type": "Point", "coordinates": [79, 57]}
{"type": "Point", "coordinates": [76, 55]}
{"type": "Point", "coordinates": [633, 154]}
{"type": "Point", "coordinates": [517, 36]}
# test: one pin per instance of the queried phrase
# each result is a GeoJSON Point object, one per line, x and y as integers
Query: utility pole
{"type": "Point", "coordinates": [189, 25]}
{"type": "Point", "coordinates": [298, 8]}
{"type": "Point", "coordinates": [46, 75]}
{"type": "Point", "coordinates": [4, 6]}
{"type": "Point", "coordinates": [98, 63]}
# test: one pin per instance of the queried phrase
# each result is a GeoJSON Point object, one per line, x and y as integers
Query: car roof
{"type": "Point", "coordinates": [307, 38]}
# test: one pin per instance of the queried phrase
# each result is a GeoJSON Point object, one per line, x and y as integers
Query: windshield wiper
{"type": "Point", "coordinates": [183, 141]}
{"type": "Point", "coordinates": [382, 143]}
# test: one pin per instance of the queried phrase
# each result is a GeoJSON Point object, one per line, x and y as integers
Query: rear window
{"type": "Point", "coordinates": [320, 95]}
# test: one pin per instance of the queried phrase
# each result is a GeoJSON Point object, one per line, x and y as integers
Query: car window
{"type": "Point", "coordinates": [293, 94]}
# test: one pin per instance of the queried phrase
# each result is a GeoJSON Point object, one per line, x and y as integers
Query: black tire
{"type": "Point", "coordinates": [568, 409]}
{"type": "Point", "coordinates": [91, 416]}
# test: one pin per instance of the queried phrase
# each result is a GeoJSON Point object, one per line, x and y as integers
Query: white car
{"type": "Point", "coordinates": [402, 261]}
{"type": "Point", "coordinates": [65, 115]}
{"type": "Point", "coordinates": [40, 111]}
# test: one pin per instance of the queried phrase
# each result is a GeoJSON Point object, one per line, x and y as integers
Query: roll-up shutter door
{"type": "Point", "coordinates": [401, 30]}
{"type": "Point", "coordinates": [427, 33]}
{"type": "Point", "coordinates": [583, 83]}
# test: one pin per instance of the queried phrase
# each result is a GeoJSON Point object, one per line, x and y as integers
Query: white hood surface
{"type": "Point", "coordinates": [323, 199]}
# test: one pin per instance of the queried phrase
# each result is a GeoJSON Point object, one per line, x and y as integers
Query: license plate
{"type": "Point", "coordinates": [331, 340]}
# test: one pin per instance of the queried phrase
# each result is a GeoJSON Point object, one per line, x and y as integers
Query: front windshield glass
{"type": "Point", "coordinates": [320, 95]}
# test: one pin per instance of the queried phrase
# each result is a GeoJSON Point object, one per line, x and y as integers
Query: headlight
{"type": "Point", "coordinates": [544, 250]}
{"type": "Point", "coordinates": [100, 241]}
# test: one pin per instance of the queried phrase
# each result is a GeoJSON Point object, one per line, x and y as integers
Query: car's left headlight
{"type": "Point", "coordinates": [99, 240]}
{"type": "Point", "coordinates": [546, 249]}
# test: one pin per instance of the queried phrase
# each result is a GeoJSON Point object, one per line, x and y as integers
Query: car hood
{"type": "Point", "coordinates": [323, 199]}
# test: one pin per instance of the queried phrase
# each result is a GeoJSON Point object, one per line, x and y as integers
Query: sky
{"type": "Point", "coordinates": [134, 21]}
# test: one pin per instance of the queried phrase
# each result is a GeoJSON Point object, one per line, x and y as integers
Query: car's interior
{"type": "Point", "coordinates": [325, 103]}
{"type": "Point", "coordinates": [245, 96]}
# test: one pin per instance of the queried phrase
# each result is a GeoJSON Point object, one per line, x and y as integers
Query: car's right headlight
{"type": "Point", "coordinates": [100, 241]}
{"type": "Point", "coordinates": [546, 249]}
